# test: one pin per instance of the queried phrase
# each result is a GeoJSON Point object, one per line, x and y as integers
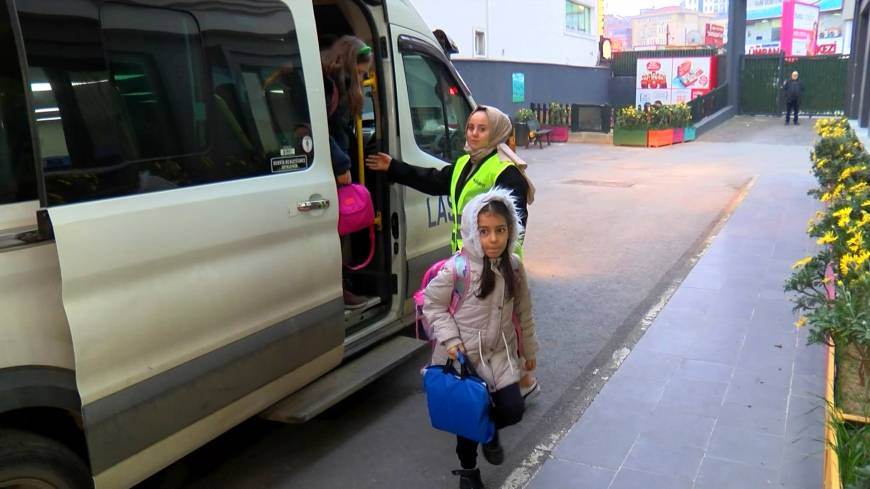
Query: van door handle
{"type": "Point", "coordinates": [310, 205]}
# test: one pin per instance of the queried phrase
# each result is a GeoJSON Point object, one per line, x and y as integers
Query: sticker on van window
{"type": "Point", "coordinates": [283, 164]}
{"type": "Point", "coordinates": [288, 151]}
{"type": "Point", "coordinates": [307, 144]}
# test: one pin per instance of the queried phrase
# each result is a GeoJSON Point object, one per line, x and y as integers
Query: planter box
{"type": "Point", "coordinates": [831, 470]}
{"type": "Point", "coordinates": [558, 134]}
{"type": "Point", "coordinates": [689, 134]}
{"type": "Point", "coordinates": [660, 137]}
{"type": "Point", "coordinates": [678, 135]}
{"type": "Point", "coordinates": [629, 137]}
{"type": "Point", "coordinates": [521, 132]}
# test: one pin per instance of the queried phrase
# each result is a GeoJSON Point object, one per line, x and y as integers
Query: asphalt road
{"type": "Point", "coordinates": [611, 231]}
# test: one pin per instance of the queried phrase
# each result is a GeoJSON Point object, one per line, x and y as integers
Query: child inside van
{"type": "Point", "coordinates": [482, 327]}
{"type": "Point", "coordinates": [345, 66]}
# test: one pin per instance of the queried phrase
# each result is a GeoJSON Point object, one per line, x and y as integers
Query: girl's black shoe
{"type": "Point", "coordinates": [493, 451]}
{"type": "Point", "coordinates": [469, 479]}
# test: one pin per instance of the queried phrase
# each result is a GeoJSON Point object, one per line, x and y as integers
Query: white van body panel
{"type": "Point", "coordinates": [34, 330]}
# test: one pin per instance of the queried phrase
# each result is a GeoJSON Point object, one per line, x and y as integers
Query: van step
{"type": "Point", "coordinates": [343, 381]}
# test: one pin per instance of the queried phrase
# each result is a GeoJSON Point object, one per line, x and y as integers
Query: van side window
{"type": "Point", "coordinates": [17, 172]}
{"type": "Point", "coordinates": [155, 61]}
{"type": "Point", "coordinates": [148, 99]}
{"type": "Point", "coordinates": [439, 108]}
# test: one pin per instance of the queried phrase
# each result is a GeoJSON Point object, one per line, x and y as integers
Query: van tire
{"type": "Point", "coordinates": [42, 460]}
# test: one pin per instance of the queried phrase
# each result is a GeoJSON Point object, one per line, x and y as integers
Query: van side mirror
{"type": "Point", "coordinates": [447, 44]}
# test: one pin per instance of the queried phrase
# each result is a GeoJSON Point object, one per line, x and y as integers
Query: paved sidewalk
{"type": "Point", "coordinates": [721, 392]}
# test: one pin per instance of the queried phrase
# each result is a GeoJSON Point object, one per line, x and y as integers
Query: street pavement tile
{"type": "Point", "coordinates": [801, 449]}
{"type": "Point", "coordinates": [694, 397]}
{"type": "Point", "coordinates": [747, 446]}
{"type": "Point", "coordinates": [668, 428]}
{"type": "Point", "coordinates": [709, 277]}
{"type": "Point", "coordinates": [626, 387]}
{"type": "Point", "coordinates": [723, 349]}
{"type": "Point", "coordinates": [772, 377]}
{"type": "Point", "coordinates": [811, 360]}
{"type": "Point", "coordinates": [805, 474]}
{"type": "Point", "coordinates": [812, 385]}
{"type": "Point", "coordinates": [759, 418]}
{"type": "Point", "coordinates": [598, 445]}
{"type": "Point", "coordinates": [806, 418]}
{"type": "Point", "coordinates": [668, 338]}
{"type": "Point", "coordinates": [649, 365]}
{"type": "Point", "coordinates": [635, 479]}
{"type": "Point", "coordinates": [693, 298]}
{"type": "Point", "coordinates": [723, 474]}
{"type": "Point", "coordinates": [649, 456]}
{"type": "Point", "coordinates": [754, 391]}
{"type": "Point", "coordinates": [704, 370]}
{"type": "Point", "coordinates": [562, 474]}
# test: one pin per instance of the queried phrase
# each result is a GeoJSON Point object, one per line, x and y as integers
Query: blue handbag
{"type": "Point", "coordinates": [459, 403]}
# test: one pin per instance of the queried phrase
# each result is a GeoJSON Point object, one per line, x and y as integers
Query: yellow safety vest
{"type": "Point", "coordinates": [481, 181]}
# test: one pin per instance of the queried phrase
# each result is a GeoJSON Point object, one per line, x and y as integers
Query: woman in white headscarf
{"type": "Point", "coordinates": [486, 134]}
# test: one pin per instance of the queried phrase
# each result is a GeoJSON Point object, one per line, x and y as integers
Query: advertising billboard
{"type": "Point", "coordinates": [772, 9]}
{"type": "Point", "coordinates": [673, 80]}
{"type": "Point", "coordinates": [800, 26]}
{"type": "Point", "coordinates": [714, 35]}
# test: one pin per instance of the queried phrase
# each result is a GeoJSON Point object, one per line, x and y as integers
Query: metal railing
{"type": "Point", "coordinates": [709, 103]}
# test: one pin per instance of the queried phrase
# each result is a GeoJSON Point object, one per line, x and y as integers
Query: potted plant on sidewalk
{"type": "Point", "coordinates": [631, 127]}
{"type": "Point", "coordinates": [557, 122]}
{"type": "Point", "coordinates": [681, 119]}
{"type": "Point", "coordinates": [689, 133]}
{"type": "Point", "coordinates": [521, 126]}
{"type": "Point", "coordinates": [661, 133]}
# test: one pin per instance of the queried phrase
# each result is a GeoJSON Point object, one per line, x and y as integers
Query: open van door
{"type": "Point", "coordinates": [185, 162]}
{"type": "Point", "coordinates": [433, 106]}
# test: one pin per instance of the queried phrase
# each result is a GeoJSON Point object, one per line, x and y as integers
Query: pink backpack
{"type": "Point", "coordinates": [355, 213]}
{"type": "Point", "coordinates": [423, 328]}
{"type": "Point", "coordinates": [460, 279]}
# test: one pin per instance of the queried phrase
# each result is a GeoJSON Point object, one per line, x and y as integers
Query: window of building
{"type": "Point", "coordinates": [17, 172]}
{"type": "Point", "coordinates": [479, 43]}
{"type": "Point", "coordinates": [578, 17]}
{"type": "Point", "coordinates": [439, 108]}
{"type": "Point", "coordinates": [134, 110]}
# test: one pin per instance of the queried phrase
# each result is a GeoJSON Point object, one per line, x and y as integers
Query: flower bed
{"type": "Point", "coordinates": [630, 137]}
{"type": "Point", "coordinates": [832, 291]}
{"type": "Point", "coordinates": [667, 125]}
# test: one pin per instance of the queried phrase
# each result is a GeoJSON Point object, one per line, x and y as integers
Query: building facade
{"type": "Point", "coordinates": [669, 27]}
{"type": "Point", "coordinates": [544, 51]}
{"type": "Point", "coordinates": [718, 8]}
{"type": "Point", "coordinates": [858, 105]}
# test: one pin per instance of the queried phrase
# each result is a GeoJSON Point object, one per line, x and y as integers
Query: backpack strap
{"type": "Point", "coordinates": [460, 279]}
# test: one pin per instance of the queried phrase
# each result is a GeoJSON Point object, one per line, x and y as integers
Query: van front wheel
{"type": "Point", "coordinates": [30, 461]}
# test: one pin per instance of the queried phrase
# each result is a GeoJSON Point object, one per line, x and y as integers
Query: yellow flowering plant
{"type": "Point", "coordinates": [630, 117]}
{"type": "Point", "coordinates": [842, 230]}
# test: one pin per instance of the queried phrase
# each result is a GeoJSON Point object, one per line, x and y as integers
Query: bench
{"type": "Point", "coordinates": [535, 127]}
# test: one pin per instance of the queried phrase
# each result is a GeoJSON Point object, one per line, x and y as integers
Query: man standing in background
{"type": "Point", "coordinates": [794, 90]}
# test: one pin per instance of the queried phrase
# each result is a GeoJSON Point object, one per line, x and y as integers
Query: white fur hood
{"type": "Point", "coordinates": [470, 233]}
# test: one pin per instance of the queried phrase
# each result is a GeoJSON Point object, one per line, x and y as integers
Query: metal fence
{"type": "Point", "coordinates": [709, 103]}
{"type": "Point", "coordinates": [824, 79]}
{"type": "Point", "coordinates": [625, 63]}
